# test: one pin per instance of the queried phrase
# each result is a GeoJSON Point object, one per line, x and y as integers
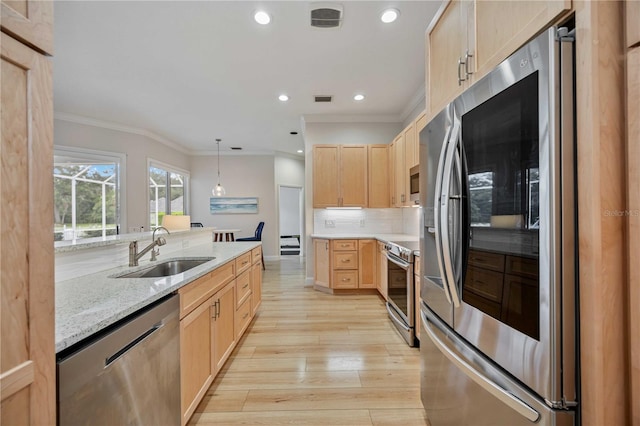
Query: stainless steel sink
{"type": "Point", "coordinates": [168, 268]}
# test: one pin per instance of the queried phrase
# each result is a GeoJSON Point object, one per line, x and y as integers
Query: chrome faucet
{"type": "Point", "coordinates": [134, 256]}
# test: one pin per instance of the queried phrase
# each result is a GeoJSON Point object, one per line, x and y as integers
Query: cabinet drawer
{"type": "Point", "coordinates": [243, 287]}
{"type": "Point", "coordinates": [487, 260]}
{"type": "Point", "coordinates": [485, 283]}
{"type": "Point", "coordinates": [341, 245]}
{"type": "Point", "coordinates": [524, 266]}
{"type": "Point", "coordinates": [345, 260]}
{"type": "Point", "coordinates": [345, 279]}
{"type": "Point", "coordinates": [256, 254]}
{"type": "Point", "coordinates": [243, 262]}
{"type": "Point", "coordinates": [192, 295]}
{"type": "Point", "coordinates": [223, 275]}
{"type": "Point", "coordinates": [242, 317]}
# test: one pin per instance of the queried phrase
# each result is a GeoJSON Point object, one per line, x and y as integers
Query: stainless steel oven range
{"type": "Point", "coordinates": [400, 292]}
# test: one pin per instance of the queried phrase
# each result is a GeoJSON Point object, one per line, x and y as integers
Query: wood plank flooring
{"type": "Point", "coordinates": [311, 358]}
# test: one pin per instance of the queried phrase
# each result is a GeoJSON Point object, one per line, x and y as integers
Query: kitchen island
{"type": "Point", "coordinates": [89, 303]}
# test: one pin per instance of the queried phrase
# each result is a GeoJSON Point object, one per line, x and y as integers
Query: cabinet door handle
{"type": "Point", "coordinates": [467, 55]}
{"type": "Point", "coordinates": [402, 198]}
{"type": "Point", "coordinates": [346, 280]}
{"type": "Point", "coordinates": [218, 308]}
{"type": "Point", "coordinates": [460, 78]}
{"type": "Point", "coordinates": [245, 286]}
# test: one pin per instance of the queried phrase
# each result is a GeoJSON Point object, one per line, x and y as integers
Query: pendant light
{"type": "Point", "coordinates": [218, 191]}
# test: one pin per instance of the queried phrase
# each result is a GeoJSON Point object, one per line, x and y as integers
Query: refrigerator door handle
{"type": "Point", "coordinates": [436, 204]}
{"type": "Point", "coordinates": [490, 386]}
{"type": "Point", "coordinates": [444, 213]}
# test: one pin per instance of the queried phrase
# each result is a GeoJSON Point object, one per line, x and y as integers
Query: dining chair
{"type": "Point", "coordinates": [257, 237]}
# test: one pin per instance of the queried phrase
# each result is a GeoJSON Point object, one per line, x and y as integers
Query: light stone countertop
{"type": "Point", "coordinates": [379, 237]}
{"type": "Point", "coordinates": [90, 303]}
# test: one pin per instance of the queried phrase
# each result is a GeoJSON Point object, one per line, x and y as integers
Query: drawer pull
{"type": "Point", "coordinates": [477, 259]}
{"type": "Point", "coordinates": [245, 262]}
{"type": "Point", "coordinates": [346, 280]}
{"type": "Point", "coordinates": [245, 315]}
{"type": "Point", "coordinates": [245, 286]}
{"type": "Point", "coordinates": [346, 260]}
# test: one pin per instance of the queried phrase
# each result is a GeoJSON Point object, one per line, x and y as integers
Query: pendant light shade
{"type": "Point", "coordinates": [219, 190]}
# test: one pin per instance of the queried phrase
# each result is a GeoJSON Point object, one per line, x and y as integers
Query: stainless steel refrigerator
{"type": "Point", "coordinates": [499, 332]}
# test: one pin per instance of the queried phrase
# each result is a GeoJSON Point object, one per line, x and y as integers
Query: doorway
{"type": "Point", "coordinates": [290, 208]}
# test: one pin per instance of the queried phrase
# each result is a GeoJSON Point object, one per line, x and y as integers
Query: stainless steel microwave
{"type": "Point", "coordinates": [414, 184]}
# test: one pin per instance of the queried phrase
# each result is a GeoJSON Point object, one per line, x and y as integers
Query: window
{"type": "Point", "coordinates": [168, 192]}
{"type": "Point", "coordinates": [87, 187]}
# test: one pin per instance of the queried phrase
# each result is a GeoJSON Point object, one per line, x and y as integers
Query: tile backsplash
{"type": "Point", "coordinates": [366, 221]}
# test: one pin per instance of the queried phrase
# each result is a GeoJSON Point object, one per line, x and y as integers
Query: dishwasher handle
{"type": "Point", "coordinates": [109, 360]}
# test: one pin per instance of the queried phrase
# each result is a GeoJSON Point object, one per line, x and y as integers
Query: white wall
{"type": "Point", "coordinates": [137, 149]}
{"type": "Point", "coordinates": [241, 176]}
{"type": "Point", "coordinates": [336, 133]}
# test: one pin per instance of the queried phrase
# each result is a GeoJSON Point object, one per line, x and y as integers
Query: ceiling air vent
{"type": "Point", "coordinates": [326, 15]}
{"type": "Point", "coordinates": [323, 98]}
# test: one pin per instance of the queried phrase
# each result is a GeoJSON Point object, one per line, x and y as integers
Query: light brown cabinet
{"type": "Point", "coordinates": [215, 310]}
{"type": "Point", "coordinates": [29, 21]}
{"type": "Point", "coordinates": [340, 265]}
{"type": "Point", "coordinates": [382, 270]}
{"type": "Point", "coordinates": [321, 270]}
{"type": "Point", "coordinates": [399, 194]}
{"type": "Point", "coordinates": [379, 176]}
{"type": "Point", "coordinates": [367, 251]}
{"type": "Point", "coordinates": [256, 280]}
{"type": "Point", "coordinates": [27, 354]}
{"type": "Point", "coordinates": [464, 43]}
{"type": "Point", "coordinates": [519, 22]}
{"type": "Point", "coordinates": [450, 54]}
{"type": "Point", "coordinates": [340, 176]}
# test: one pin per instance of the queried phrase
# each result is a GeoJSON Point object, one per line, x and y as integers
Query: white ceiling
{"type": "Point", "coordinates": [190, 72]}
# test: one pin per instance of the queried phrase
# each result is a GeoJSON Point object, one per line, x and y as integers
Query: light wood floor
{"type": "Point", "coordinates": [315, 359]}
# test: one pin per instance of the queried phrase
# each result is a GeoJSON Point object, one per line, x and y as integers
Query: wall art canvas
{"type": "Point", "coordinates": [233, 205]}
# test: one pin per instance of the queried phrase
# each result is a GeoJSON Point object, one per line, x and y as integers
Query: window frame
{"type": "Point", "coordinates": [121, 182]}
{"type": "Point", "coordinates": [170, 169]}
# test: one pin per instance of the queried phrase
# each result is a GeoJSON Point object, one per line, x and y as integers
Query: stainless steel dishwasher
{"type": "Point", "coordinates": [130, 375]}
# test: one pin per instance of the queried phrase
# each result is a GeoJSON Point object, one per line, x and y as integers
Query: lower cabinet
{"type": "Point", "coordinates": [223, 322]}
{"type": "Point", "coordinates": [196, 364]}
{"type": "Point", "coordinates": [345, 264]}
{"type": "Point", "coordinates": [216, 310]}
{"type": "Point", "coordinates": [382, 284]}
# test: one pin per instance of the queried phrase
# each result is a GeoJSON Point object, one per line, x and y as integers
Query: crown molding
{"type": "Point", "coordinates": [87, 121]}
{"type": "Point", "coordinates": [418, 98]}
{"type": "Point", "coordinates": [342, 118]}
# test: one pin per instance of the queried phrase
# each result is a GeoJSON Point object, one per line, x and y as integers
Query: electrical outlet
{"type": "Point", "coordinates": [329, 223]}
{"type": "Point", "coordinates": [361, 223]}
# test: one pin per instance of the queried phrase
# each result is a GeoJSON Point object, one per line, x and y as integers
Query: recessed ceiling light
{"type": "Point", "coordinates": [358, 97]}
{"type": "Point", "coordinates": [299, 151]}
{"type": "Point", "coordinates": [389, 15]}
{"type": "Point", "coordinates": [283, 98]}
{"type": "Point", "coordinates": [262, 17]}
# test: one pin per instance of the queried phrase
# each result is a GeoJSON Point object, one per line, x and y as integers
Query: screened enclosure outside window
{"type": "Point", "coordinates": [167, 192]}
{"type": "Point", "coordinates": [86, 195]}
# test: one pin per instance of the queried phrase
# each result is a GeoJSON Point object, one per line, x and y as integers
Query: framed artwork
{"type": "Point", "coordinates": [233, 205]}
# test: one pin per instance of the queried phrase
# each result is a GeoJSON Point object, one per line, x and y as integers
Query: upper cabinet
{"type": "Point", "coordinates": [464, 42]}
{"type": "Point", "coordinates": [405, 154]}
{"type": "Point", "coordinates": [450, 53]}
{"type": "Point", "coordinates": [519, 22]}
{"type": "Point", "coordinates": [340, 176]}
{"type": "Point", "coordinates": [633, 17]}
{"type": "Point", "coordinates": [29, 21]}
{"type": "Point", "coordinates": [378, 171]}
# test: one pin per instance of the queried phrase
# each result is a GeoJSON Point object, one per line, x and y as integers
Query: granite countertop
{"type": "Point", "coordinates": [85, 243]}
{"type": "Point", "coordinates": [88, 304]}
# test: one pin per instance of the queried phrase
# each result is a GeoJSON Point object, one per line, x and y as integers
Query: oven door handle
{"type": "Point", "coordinates": [445, 199]}
{"type": "Point", "coordinates": [395, 319]}
{"type": "Point", "coordinates": [487, 384]}
{"type": "Point", "coordinates": [399, 262]}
